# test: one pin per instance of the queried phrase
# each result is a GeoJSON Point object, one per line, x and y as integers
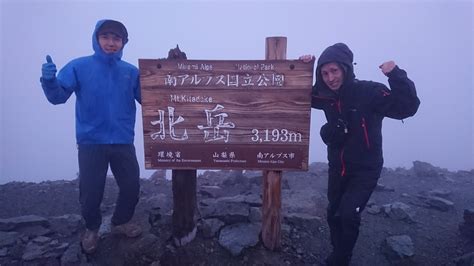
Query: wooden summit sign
{"type": "Point", "coordinates": [200, 114]}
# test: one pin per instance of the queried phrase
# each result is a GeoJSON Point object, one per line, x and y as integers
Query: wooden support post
{"type": "Point", "coordinates": [184, 206]}
{"type": "Point", "coordinates": [184, 192]}
{"type": "Point", "coordinates": [275, 49]}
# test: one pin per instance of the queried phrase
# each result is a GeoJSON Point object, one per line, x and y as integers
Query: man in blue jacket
{"type": "Point", "coordinates": [106, 89]}
{"type": "Point", "coordinates": [354, 110]}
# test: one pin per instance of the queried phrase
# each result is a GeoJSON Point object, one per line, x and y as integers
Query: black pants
{"type": "Point", "coordinates": [348, 195]}
{"type": "Point", "coordinates": [94, 161]}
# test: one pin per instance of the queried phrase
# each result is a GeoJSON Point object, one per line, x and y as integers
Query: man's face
{"type": "Point", "coordinates": [332, 75]}
{"type": "Point", "coordinates": [110, 42]}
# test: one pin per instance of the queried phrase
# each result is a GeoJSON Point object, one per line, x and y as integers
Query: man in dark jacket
{"type": "Point", "coordinates": [106, 89]}
{"type": "Point", "coordinates": [354, 110]}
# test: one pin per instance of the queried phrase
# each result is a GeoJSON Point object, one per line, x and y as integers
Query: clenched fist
{"type": "Point", "coordinates": [387, 67]}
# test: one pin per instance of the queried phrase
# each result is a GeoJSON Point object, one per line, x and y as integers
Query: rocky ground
{"type": "Point", "coordinates": [418, 216]}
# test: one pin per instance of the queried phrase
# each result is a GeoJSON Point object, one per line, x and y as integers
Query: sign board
{"type": "Point", "coordinates": [202, 114]}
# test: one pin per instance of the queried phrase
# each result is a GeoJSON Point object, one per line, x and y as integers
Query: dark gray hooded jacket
{"type": "Point", "coordinates": [354, 114]}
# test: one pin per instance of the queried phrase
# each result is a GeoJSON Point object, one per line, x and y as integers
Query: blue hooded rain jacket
{"type": "Point", "coordinates": [106, 89]}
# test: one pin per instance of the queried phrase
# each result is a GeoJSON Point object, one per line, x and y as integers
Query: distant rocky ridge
{"type": "Point", "coordinates": [40, 222]}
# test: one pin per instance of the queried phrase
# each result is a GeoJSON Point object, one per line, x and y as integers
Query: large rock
{"type": "Point", "coordinates": [398, 248]}
{"type": "Point", "coordinates": [399, 211]}
{"type": "Point", "coordinates": [373, 209]}
{"type": "Point", "coordinates": [442, 193]}
{"type": "Point", "coordinates": [210, 227]}
{"type": "Point", "coordinates": [236, 237]}
{"type": "Point", "coordinates": [43, 247]}
{"type": "Point", "coordinates": [423, 169]}
{"type": "Point", "coordinates": [229, 212]}
{"type": "Point", "coordinates": [437, 203]}
{"type": "Point", "coordinates": [160, 202]}
{"type": "Point", "coordinates": [234, 178]}
{"type": "Point", "coordinates": [10, 224]}
{"type": "Point", "coordinates": [211, 191]}
{"type": "Point", "coordinates": [8, 239]}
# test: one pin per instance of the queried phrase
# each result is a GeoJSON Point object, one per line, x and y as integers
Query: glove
{"type": "Point", "coordinates": [334, 133]}
{"type": "Point", "coordinates": [48, 70]}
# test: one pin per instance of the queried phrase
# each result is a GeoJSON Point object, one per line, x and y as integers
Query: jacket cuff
{"type": "Point", "coordinates": [49, 83]}
{"type": "Point", "coordinates": [396, 73]}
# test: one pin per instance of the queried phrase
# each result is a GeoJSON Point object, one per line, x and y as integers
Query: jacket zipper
{"type": "Point", "coordinates": [343, 164]}
{"type": "Point", "coordinates": [338, 103]}
{"type": "Point", "coordinates": [366, 135]}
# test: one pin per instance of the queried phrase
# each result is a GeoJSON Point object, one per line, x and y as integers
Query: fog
{"type": "Point", "coordinates": [431, 40]}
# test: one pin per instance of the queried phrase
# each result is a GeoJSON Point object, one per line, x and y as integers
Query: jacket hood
{"type": "Point", "coordinates": [339, 53]}
{"type": "Point", "coordinates": [95, 41]}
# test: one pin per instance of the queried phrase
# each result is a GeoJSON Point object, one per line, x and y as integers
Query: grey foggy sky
{"type": "Point", "coordinates": [431, 40]}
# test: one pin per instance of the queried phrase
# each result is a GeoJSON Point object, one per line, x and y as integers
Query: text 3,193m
{"type": "Point", "coordinates": [275, 135]}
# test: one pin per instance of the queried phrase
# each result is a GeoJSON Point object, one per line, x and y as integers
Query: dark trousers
{"type": "Point", "coordinates": [348, 195]}
{"type": "Point", "coordinates": [94, 161]}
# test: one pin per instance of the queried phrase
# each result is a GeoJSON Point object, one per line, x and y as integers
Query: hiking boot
{"type": "Point", "coordinates": [127, 229]}
{"type": "Point", "coordinates": [90, 241]}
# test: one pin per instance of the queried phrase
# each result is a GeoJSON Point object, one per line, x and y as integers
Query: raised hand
{"type": "Point", "coordinates": [387, 67]}
{"type": "Point", "coordinates": [306, 58]}
{"type": "Point", "coordinates": [48, 69]}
